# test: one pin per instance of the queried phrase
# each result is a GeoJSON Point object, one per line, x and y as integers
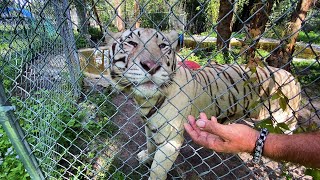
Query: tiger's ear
{"type": "Point", "coordinates": [110, 37]}
{"type": "Point", "coordinates": [173, 38]}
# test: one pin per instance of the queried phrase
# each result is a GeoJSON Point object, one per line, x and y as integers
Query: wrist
{"type": "Point", "coordinates": [252, 141]}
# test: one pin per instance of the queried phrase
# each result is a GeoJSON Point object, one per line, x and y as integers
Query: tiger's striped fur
{"type": "Point", "coordinates": [144, 62]}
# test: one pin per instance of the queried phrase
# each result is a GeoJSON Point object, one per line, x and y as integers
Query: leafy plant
{"type": "Point", "coordinates": [307, 72]}
{"type": "Point", "coordinates": [188, 54]}
{"type": "Point", "coordinates": [80, 41]}
{"type": "Point", "coordinates": [223, 58]}
{"type": "Point", "coordinates": [10, 165]}
{"type": "Point", "coordinates": [71, 126]}
{"type": "Point", "coordinates": [273, 127]}
{"type": "Point", "coordinates": [156, 20]}
{"type": "Point", "coordinates": [95, 34]}
{"type": "Point", "coordinates": [315, 173]}
{"type": "Point", "coordinates": [312, 37]}
{"type": "Point", "coordinates": [88, 122]}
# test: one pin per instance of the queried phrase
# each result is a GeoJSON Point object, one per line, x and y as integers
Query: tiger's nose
{"type": "Point", "coordinates": [150, 66]}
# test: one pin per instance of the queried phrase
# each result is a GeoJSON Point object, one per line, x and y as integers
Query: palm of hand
{"type": "Point", "coordinates": [231, 138]}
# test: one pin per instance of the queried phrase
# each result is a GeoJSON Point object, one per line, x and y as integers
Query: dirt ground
{"type": "Point", "coordinates": [195, 162]}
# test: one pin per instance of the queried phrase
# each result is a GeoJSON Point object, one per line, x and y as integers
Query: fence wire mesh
{"type": "Point", "coordinates": [56, 70]}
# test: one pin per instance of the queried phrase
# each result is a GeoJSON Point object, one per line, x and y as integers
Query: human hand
{"type": "Point", "coordinates": [232, 138]}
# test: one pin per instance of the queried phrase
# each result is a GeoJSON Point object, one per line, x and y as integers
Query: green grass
{"type": "Point", "coordinates": [312, 37]}
{"type": "Point", "coordinates": [308, 72]}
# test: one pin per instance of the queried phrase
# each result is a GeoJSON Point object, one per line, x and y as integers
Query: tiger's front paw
{"type": "Point", "coordinates": [144, 157]}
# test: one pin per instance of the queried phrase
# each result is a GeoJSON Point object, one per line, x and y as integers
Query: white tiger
{"type": "Point", "coordinates": [143, 61]}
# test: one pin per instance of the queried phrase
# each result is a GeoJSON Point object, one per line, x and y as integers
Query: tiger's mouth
{"type": "Point", "coordinates": [146, 89]}
{"type": "Point", "coordinates": [148, 84]}
{"type": "Point", "coordinates": [145, 86]}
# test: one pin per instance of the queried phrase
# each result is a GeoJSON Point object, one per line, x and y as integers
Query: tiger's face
{"type": "Point", "coordinates": [143, 59]}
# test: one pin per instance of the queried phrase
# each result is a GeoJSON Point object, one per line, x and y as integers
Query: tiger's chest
{"type": "Point", "coordinates": [165, 113]}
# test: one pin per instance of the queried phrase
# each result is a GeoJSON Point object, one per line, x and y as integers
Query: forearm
{"type": "Point", "coordinates": [298, 148]}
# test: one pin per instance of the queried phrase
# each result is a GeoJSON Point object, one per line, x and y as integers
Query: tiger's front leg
{"type": "Point", "coordinates": [145, 156]}
{"type": "Point", "coordinates": [165, 156]}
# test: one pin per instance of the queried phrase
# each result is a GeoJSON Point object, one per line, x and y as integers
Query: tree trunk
{"type": "Point", "coordinates": [283, 55]}
{"type": "Point", "coordinates": [136, 13]}
{"type": "Point", "coordinates": [83, 25]}
{"type": "Point", "coordinates": [224, 24]}
{"type": "Point", "coordinates": [81, 10]}
{"type": "Point", "coordinates": [256, 26]}
{"type": "Point", "coordinates": [119, 19]}
{"type": "Point", "coordinates": [93, 4]}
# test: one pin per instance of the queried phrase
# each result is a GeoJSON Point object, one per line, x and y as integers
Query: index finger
{"type": "Point", "coordinates": [214, 127]}
{"type": "Point", "coordinates": [203, 116]}
{"type": "Point", "coordinates": [192, 122]}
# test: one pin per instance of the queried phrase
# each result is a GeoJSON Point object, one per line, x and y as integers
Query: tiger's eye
{"type": "Point", "coordinates": [162, 45]}
{"type": "Point", "coordinates": [134, 44]}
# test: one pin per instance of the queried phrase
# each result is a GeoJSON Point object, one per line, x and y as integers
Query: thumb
{"type": "Point", "coordinates": [212, 127]}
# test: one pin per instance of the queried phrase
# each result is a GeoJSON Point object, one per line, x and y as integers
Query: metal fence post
{"type": "Point", "coordinates": [15, 134]}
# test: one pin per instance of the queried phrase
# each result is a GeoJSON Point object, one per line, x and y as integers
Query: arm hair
{"type": "Point", "coordinates": [298, 148]}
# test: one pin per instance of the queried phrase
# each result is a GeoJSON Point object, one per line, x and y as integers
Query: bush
{"type": "Point", "coordinates": [10, 165]}
{"type": "Point", "coordinates": [156, 20]}
{"type": "Point", "coordinates": [81, 42]}
{"type": "Point", "coordinates": [188, 54]}
{"type": "Point", "coordinates": [70, 125]}
{"type": "Point", "coordinates": [308, 72]}
{"type": "Point", "coordinates": [95, 33]}
{"type": "Point", "coordinates": [311, 37]}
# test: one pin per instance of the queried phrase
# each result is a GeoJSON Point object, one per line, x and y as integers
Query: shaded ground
{"type": "Point", "coordinates": [193, 162]}
{"type": "Point", "coordinates": [310, 105]}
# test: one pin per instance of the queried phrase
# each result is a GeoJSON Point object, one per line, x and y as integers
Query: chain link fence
{"type": "Point", "coordinates": [65, 117]}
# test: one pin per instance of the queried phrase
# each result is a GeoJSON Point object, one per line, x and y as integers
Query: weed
{"type": "Point", "coordinates": [10, 165]}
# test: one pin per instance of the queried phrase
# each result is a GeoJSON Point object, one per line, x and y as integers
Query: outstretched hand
{"type": "Point", "coordinates": [232, 138]}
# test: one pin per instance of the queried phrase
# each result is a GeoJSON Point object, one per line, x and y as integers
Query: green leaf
{"type": "Point", "coordinates": [91, 155]}
{"type": "Point", "coordinates": [253, 69]}
{"type": "Point", "coordinates": [71, 122]}
{"type": "Point", "coordinates": [315, 173]}
{"type": "Point", "coordinates": [279, 128]}
{"type": "Point", "coordinates": [261, 64]}
{"type": "Point", "coordinates": [283, 103]}
{"type": "Point", "coordinates": [276, 130]}
{"type": "Point", "coordinates": [266, 123]}
{"type": "Point", "coordinates": [275, 96]}
{"type": "Point", "coordinates": [283, 126]}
